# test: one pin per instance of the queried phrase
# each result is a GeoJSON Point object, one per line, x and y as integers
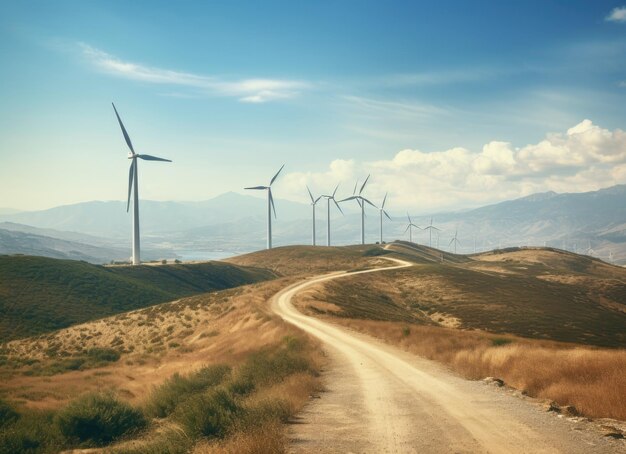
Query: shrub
{"type": "Point", "coordinates": [33, 432]}
{"type": "Point", "coordinates": [7, 413]}
{"type": "Point", "coordinates": [209, 415]}
{"type": "Point", "coordinates": [103, 355]}
{"type": "Point", "coordinates": [98, 419]}
{"type": "Point", "coordinates": [177, 388]}
{"type": "Point", "coordinates": [500, 341]}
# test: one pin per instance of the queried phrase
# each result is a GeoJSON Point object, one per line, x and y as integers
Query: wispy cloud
{"type": "Point", "coordinates": [245, 90]}
{"type": "Point", "coordinates": [617, 15]}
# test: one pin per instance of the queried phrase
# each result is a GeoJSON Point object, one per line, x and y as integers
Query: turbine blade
{"type": "Point", "coordinates": [346, 199]}
{"type": "Point", "coordinates": [409, 217]}
{"type": "Point", "coordinates": [364, 183]}
{"type": "Point", "coordinates": [276, 176]}
{"type": "Point", "coordinates": [272, 202]}
{"type": "Point", "coordinates": [335, 191]}
{"type": "Point", "coordinates": [257, 187]}
{"type": "Point", "coordinates": [407, 228]}
{"type": "Point", "coordinates": [147, 157]}
{"type": "Point", "coordinates": [435, 228]}
{"type": "Point", "coordinates": [358, 200]}
{"type": "Point", "coordinates": [384, 200]}
{"type": "Point", "coordinates": [119, 120]}
{"type": "Point", "coordinates": [131, 175]}
{"type": "Point", "coordinates": [451, 241]}
{"type": "Point", "coordinates": [317, 200]}
{"type": "Point", "coordinates": [310, 195]}
{"type": "Point", "coordinates": [363, 198]}
{"type": "Point", "coordinates": [338, 207]}
{"type": "Point", "coordinates": [355, 185]}
{"type": "Point", "coordinates": [385, 213]}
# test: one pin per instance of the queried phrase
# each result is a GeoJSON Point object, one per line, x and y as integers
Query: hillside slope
{"type": "Point", "coordinates": [39, 294]}
{"type": "Point", "coordinates": [534, 293]}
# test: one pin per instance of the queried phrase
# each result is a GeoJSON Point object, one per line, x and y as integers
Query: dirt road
{"type": "Point", "coordinates": [380, 399]}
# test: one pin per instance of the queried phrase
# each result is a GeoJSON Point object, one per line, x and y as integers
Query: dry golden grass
{"type": "Point", "coordinates": [181, 336]}
{"type": "Point", "coordinates": [591, 379]}
{"type": "Point", "coordinates": [266, 439]}
{"type": "Point", "coordinates": [310, 260]}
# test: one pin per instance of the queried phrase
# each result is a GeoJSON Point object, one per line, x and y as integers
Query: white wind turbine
{"type": "Point", "coordinates": [455, 240]}
{"type": "Point", "coordinates": [270, 205]}
{"type": "Point", "coordinates": [361, 201]}
{"type": "Point", "coordinates": [410, 228]}
{"type": "Point", "coordinates": [328, 199]}
{"type": "Point", "coordinates": [382, 211]}
{"type": "Point", "coordinates": [430, 229]}
{"type": "Point", "coordinates": [133, 183]}
{"type": "Point", "coordinates": [313, 204]}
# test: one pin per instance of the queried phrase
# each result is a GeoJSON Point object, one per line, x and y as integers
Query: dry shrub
{"type": "Point", "coordinates": [591, 379]}
{"type": "Point", "coordinates": [265, 439]}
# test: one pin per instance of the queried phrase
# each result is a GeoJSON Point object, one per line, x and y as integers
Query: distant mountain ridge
{"type": "Point", "coordinates": [592, 221]}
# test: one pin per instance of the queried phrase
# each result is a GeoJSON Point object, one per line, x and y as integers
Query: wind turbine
{"type": "Point", "coordinates": [133, 183]}
{"type": "Point", "coordinates": [382, 211]}
{"type": "Point", "coordinates": [361, 201]}
{"type": "Point", "coordinates": [430, 229]}
{"type": "Point", "coordinates": [455, 240]}
{"type": "Point", "coordinates": [410, 228]}
{"type": "Point", "coordinates": [270, 205]}
{"type": "Point", "coordinates": [328, 199]}
{"type": "Point", "coordinates": [313, 203]}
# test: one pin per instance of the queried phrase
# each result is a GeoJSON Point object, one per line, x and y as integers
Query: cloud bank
{"type": "Point", "coordinates": [245, 90]}
{"type": "Point", "coordinates": [585, 157]}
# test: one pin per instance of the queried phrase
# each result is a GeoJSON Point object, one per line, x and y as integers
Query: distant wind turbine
{"type": "Point", "coordinates": [270, 205]}
{"type": "Point", "coordinates": [410, 228]}
{"type": "Point", "coordinates": [361, 201]}
{"type": "Point", "coordinates": [133, 183]}
{"type": "Point", "coordinates": [382, 211]}
{"type": "Point", "coordinates": [313, 204]}
{"type": "Point", "coordinates": [455, 240]}
{"type": "Point", "coordinates": [430, 229]}
{"type": "Point", "coordinates": [328, 199]}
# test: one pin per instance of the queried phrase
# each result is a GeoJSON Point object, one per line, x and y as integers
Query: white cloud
{"type": "Point", "coordinates": [585, 157]}
{"type": "Point", "coordinates": [617, 15]}
{"type": "Point", "coordinates": [246, 90]}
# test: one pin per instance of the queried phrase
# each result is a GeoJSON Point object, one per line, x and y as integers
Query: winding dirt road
{"type": "Point", "coordinates": [380, 399]}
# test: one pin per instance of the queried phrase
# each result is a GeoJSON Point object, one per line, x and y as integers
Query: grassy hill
{"type": "Point", "coordinates": [39, 294]}
{"type": "Point", "coordinates": [306, 260]}
{"type": "Point", "coordinates": [534, 293]}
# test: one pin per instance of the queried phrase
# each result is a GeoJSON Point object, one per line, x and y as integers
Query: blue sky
{"type": "Point", "coordinates": [448, 104]}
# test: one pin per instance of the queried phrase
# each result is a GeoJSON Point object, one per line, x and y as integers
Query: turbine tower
{"type": "Point", "coordinates": [270, 205]}
{"type": "Point", "coordinates": [328, 199]}
{"type": "Point", "coordinates": [430, 229]}
{"type": "Point", "coordinates": [382, 211]}
{"type": "Point", "coordinates": [455, 240]}
{"type": "Point", "coordinates": [133, 183]}
{"type": "Point", "coordinates": [313, 203]}
{"type": "Point", "coordinates": [410, 228]}
{"type": "Point", "coordinates": [361, 201]}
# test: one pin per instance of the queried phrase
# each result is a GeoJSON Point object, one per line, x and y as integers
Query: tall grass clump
{"type": "Point", "coordinates": [98, 419]}
{"type": "Point", "coordinates": [270, 366]}
{"type": "Point", "coordinates": [209, 415]}
{"type": "Point", "coordinates": [176, 389]}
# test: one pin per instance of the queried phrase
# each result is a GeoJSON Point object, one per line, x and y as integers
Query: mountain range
{"type": "Point", "coordinates": [231, 223]}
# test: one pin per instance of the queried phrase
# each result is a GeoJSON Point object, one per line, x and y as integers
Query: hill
{"type": "Point", "coordinates": [530, 292]}
{"type": "Point", "coordinates": [40, 294]}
